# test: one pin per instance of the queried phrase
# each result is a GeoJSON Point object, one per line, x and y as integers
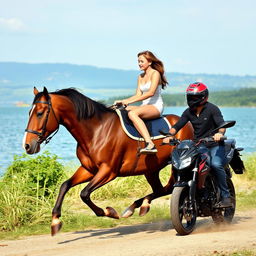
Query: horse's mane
{"type": "Point", "coordinates": [85, 107]}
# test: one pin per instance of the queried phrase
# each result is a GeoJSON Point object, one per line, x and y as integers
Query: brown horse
{"type": "Point", "coordinates": [104, 150]}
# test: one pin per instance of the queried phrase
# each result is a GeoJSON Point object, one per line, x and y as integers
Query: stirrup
{"type": "Point", "coordinates": [148, 150]}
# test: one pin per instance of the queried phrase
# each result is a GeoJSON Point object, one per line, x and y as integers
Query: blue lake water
{"type": "Point", "coordinates": [13, 122]}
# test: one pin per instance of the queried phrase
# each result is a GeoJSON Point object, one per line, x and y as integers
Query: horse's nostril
{"type": "Point", "coordinates": [27, 147]}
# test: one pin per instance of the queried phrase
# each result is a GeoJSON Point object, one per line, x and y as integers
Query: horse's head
{"type": "Point", "coordinates": [41, 124]}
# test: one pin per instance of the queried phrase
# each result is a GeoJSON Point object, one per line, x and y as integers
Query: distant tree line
{"type": "Point", "coordinates": [236, 98]}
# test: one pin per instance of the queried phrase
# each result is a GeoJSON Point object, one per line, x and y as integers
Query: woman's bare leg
{"type": "Point", "coordinates": [136, 114]}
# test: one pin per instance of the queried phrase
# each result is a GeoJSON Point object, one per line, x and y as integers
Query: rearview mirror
{"type": "Point", "coordinates": [226, 124]}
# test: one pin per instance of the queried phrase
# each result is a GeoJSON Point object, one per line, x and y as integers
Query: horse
{"type": "Point", "coordinates": [103, 149]}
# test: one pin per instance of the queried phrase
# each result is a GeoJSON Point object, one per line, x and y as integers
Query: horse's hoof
{"type": "Point", "coordinates": [111, 212]}
{"type": "Point", "coordinates": [128, 212]}
{"type": "Point", "coordinates": [55, 228]}
{"type": "Point", "coordinates": [144, 209]}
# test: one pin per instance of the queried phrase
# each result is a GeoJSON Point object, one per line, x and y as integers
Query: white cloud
{"type": "Point", "coordinates": [12, 24]}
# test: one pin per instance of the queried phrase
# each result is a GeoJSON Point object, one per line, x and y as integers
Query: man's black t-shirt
{"type": "Point", "coordinates": [209, 119]}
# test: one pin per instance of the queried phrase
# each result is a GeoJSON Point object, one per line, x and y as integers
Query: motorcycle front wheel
{"type": "Point", "coordinates": [182, 213]}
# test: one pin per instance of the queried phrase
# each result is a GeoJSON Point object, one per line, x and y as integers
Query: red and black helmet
{"type": "Point", "coordinates": [197, 94]}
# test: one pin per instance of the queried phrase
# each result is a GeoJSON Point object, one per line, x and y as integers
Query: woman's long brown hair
{"type": "Point", "coordinates": [156, 64]}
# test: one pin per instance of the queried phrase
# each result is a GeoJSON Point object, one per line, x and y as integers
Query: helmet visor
{"type": "Point", "coordinates": [194, 100]}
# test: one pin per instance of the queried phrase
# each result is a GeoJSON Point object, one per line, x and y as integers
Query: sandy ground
{"type": "Point", "coordinates": [147, 239]}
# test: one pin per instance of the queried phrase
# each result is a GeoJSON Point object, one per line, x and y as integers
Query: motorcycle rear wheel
{"type": "Point", "coordinates": [226, 215]}
{"type": "Point", "coordinates": [183, 218]}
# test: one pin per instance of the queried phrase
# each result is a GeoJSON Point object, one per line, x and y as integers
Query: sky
{"type": "Point", "coordinates": [189, 36]}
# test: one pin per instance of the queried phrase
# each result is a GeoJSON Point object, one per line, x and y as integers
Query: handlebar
{"type": "Point", "coordinates": [174, 141]}
{"type": "Point", "coordinates": [210, 139]}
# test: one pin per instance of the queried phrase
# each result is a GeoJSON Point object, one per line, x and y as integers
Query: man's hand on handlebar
{"type": "Point", "coordinates": [171, 141]}
{"type": "Point", "coordinates": [218, 136]}
{"type": "Point", "coordinates": [167, 140]}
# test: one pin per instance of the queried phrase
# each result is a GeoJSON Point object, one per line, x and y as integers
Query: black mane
{"type": "Point", "coordinates": [85, 107]}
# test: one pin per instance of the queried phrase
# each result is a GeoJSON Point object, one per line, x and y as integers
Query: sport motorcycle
{"type": "Point", "coordinates": [196, 192]}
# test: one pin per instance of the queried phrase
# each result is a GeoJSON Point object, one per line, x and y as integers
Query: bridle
{"type": "Point", "coordinates": [41, 135]}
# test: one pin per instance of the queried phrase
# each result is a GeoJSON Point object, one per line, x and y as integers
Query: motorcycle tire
{"type": "Point", "coordinates": [183, 219]}
{"type": "Point", "coordinates": [226, 215]}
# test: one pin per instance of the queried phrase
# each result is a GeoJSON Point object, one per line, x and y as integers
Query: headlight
{"type": "Point", "coordinates": [185, 163]}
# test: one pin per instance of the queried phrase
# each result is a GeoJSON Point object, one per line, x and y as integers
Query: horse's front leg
{"type": "Point", "coordinates": [80, 176]}
{"type": "Point", "coordinates": [103, 176]}
{"type": "Point", "coordinates": [158, 191]}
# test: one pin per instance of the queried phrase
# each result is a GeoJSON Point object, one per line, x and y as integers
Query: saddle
{"type": "Point", "coordinates": [153, 126]}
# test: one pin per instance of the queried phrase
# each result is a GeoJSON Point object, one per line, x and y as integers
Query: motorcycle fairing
{"type": "Point", "coordinates": [184, 154]}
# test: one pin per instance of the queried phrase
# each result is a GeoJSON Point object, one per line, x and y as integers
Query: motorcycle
{"type": "Point", "coordinates": [196, 192]}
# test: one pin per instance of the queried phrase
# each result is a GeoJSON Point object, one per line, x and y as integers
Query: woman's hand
{"type": "Point", "coordinates": [117, 102]}
{"type": "Point", "coordinates": [125, 102]}
{"type": "Point", "coordinates": [121, 102]}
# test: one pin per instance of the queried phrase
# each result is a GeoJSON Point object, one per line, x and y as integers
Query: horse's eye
{"type": "Point", "coordinates": [39, 114]}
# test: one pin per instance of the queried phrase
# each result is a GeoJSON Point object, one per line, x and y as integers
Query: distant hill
{"type": "Point", "coordinates": [235, 98]}
{"type": "Point", "coordinates": [18, 79]}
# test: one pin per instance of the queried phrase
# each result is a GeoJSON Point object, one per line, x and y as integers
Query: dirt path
{"type": "Point", "coordinates": [148, 239]}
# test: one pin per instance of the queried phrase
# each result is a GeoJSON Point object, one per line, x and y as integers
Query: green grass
{"type": "Point", "coordinates": [250, 165]}
{"type": "Point", "coordinates": [243, 253]}
{"type": "Point", "coordinates": [77, 216]}
{"type": "Point", "coordinates": [27, 197]}
{"type": "Point", "coordinates": [235, 253]}
{"type": "Point", "coordinates": [246, 200]}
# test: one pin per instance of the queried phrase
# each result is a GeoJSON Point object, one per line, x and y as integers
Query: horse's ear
{"type": "Point", "coordinates": [46, 94]}
{"type": "Point", "coordinates": [35, 91]}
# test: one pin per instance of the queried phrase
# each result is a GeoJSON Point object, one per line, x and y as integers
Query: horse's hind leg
{"type": "Point", "coordinates": [144, 203]}
{"type": "Point", "coordinates": [158, 191]}
{"type": "Point", "coordinates": [103, 176]}
{"type": "Point", "coordinates": [80, 176]}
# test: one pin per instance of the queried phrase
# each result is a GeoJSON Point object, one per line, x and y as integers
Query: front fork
{"type": "Point", "coordinates": [192, 190]}
{"type": "Point", "coordinates": [190, 208]}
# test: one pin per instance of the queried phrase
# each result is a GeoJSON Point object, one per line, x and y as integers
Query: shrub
{"type": "Point", "coordinates": [38, 174]}
{"type": "Point", "coordinates": [27, 190]}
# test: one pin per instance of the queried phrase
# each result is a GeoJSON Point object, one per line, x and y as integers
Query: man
{"type": "Point", "coordinates": [205, 116]}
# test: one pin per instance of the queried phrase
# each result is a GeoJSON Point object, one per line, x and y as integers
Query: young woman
{"type": "Point", "coordinates": [150, 83]}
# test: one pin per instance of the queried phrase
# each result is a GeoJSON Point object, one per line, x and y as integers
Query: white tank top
{"type": "Point", "coordinates": [156, 99]}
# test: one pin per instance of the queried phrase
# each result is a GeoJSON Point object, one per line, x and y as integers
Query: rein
{"type": "Point", "coordinates": [41, 135]}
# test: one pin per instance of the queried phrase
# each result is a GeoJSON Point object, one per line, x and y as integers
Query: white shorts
{"type": "Point", "coordinates": [158, 105]}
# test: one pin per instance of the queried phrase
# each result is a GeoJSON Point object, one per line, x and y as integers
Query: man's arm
{"type": "Point", "coordinates": [218, 119]}
{"type": "Point", "coordinates": [174, 130]}
{"type": "Point", "coordinates": [180, 124]}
